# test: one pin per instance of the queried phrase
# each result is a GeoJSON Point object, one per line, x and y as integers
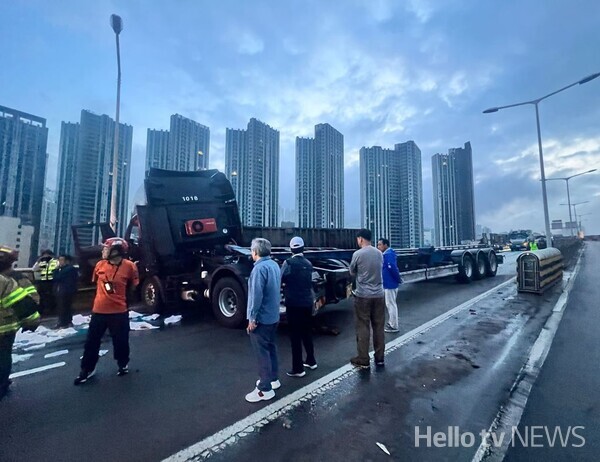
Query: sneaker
{"type": "Point", "coordinates": [389, 330]}
{"type": "Point", "coordinates": [360, 364]}
{"type": "Point", "coordinates": [123, 371]}
{"type": "Point", "coordinates": [380, 363]}
{"type": "Point", "coordinates": [256, 395]}
{"type": "Point", "coordinates": [312, 367]}
{"type": "Point", "coordinates": [83, 377]}
{"type": "Point", "coordinates": [296, 374]}
{"type": "Point", "coordinates": [275, 384]}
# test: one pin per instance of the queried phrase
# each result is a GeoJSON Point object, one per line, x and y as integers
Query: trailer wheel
{"type": "Point", "coordinates": [465, 269]}
{"type": "Point", "coordinates": [479, 266]}
{"type": "Point", "coordinates": [152, 295]}
{"type": "Point", "coordinates": [491, 265]}
{"type": "Point", "coordinates": [229, 303]}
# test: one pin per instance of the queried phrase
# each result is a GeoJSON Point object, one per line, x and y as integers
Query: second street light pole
{"type": "Point", "coordinates": [117, 25]}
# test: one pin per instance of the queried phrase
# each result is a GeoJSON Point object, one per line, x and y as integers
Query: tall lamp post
{"type": "Point", "coordinates": [117, 26]}
{"type": "Point", "coordinates": [536, 102]}
{"type": "Point", "coordinates": [575, 210]}
{"type": "Point", "coordinates": [567, 178]}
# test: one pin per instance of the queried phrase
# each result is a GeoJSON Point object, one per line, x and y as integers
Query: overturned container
{"type": "Point", "coordinates": [539, 270]}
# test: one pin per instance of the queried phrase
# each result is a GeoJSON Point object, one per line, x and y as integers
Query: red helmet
{"type": "Point", "coordinates": [8, 256]}
{"type": "Point", "coordinates": [117, 243]}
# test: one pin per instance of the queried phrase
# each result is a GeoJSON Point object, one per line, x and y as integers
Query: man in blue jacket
{"type": "Point", "coordinates": [264, 298]}
{"type": "Point", "coordinates": [391, 281]}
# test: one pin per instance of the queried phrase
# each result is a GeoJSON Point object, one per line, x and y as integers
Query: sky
{"type": "Point", "coordinates": [380, 71]}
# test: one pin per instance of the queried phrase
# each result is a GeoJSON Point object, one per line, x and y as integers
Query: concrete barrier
{"type": "Point", "coordinates": [539, 270]}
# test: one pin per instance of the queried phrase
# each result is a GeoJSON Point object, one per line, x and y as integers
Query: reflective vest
{"type": "Point", "coordinates": [46, 269]}
{"type": "Point", "coordinates": [17, 306]}
{"type": "Point", "coordinates": [533, 246]}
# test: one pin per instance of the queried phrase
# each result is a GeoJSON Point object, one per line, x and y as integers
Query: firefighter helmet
{"type": "Point", "coordinates": [8, 256]}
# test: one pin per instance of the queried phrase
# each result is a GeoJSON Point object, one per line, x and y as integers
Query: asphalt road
{"type": "Point", "coordinates": [188, 381]}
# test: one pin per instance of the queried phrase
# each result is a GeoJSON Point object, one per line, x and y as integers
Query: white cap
{"type": "Point", "coordinates": [296, 243]}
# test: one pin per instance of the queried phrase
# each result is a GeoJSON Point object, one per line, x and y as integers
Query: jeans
{"type": "Point", "coordinates": [392, 307]}
{"type": "Point", "coordinates": [300, 323]}
{"type": "Point", "coordinates": [118, 326]}
{"type": "Point", "coordinates": [369, 313]}
{"type": "Point", "coordinates": [263, 340]}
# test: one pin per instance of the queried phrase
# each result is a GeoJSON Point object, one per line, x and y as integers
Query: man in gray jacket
{"type": "Point", "coordinates": [264, 298]}
{"type": "Point", "coordinates": [369, 301]}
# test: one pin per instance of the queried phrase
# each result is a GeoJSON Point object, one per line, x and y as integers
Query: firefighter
{"type": "Point", "coordinates": [18, 308]}
{"type": "Point", "coordinates": [43, 270]}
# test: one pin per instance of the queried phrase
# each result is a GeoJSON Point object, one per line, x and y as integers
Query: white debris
{"type": "Point", "coordinates": [79, 320]}
{"type": "Point", "coordinates": [20, 358]}
{"type": "Point", "coordinates": [152, 317]}
{"type": "Point", "coordinates": [41, 336]}
{"type": "Point", "coordinates": [102, 352]}
{"type": "Point", "coordinates": [141, 326]}
{"type": "Point", "coordinates": [383, 448]}
{"type": "Point", "coordinates": [56, 353]}
{"type": "Point", "coordinates": [135, 314]}
{"type": "Point", "coordinates": [172, 319]}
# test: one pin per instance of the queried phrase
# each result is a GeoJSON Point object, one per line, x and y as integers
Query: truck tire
{"type": "Point", "coordinates": [229, 303]}
{"type": "Point", "coordinates": [152, 295]}
{"type": "Point", "coordinates": [479, 266]}
{"type": "Point", "coordinates": [466, 269]}
{"type": "Point", "coordinates": [491, 264]}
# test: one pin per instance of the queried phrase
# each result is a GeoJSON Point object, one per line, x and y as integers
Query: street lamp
{"type": "Point", "coordinates": [575, 210]}
{"type": "Point", "coordinates": [567, 178]}
{"type": "Point", "coordinates": [117, 26]}
{"type": "Point", "coordinates": [536, 102]}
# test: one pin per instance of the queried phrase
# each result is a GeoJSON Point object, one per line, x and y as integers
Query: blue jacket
{"type": "Point", "coordinates": [264, 292]}
{"type": "Point", "coordinates": [65, 280]}
{"type": "Point", "coordinates": [296, 274]}
{"type": "Point", "coordinates": [390, 271]}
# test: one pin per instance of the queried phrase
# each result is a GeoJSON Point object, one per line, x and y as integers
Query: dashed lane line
{"type": "Point", "coordinates": [37, 369]}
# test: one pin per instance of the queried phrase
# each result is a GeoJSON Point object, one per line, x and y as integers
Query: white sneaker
{"type": "Point", "coordinates": [275, 384]}
{"type": "Point", "coordinates": [312, 367]}
{"type": "Point", "coordinates": [256, 395]}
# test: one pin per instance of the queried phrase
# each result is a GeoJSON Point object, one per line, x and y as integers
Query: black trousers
{"type": "Point", "coordinates": [118, 326]}
{"type": "Point", "coordinates": [64, 303]}
{"type": "Point", "coordinates": [47, 301]}
{"type": "Point", "coordinates": [300, 324]}
{"type": "Point", "coordinates": [6, 344]}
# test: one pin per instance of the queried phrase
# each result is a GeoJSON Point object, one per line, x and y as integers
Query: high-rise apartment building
{"type": "Point", "coordinates": [184, 147]}
{"type": "Point", "coordinates": [465, 194]}
{"type": "Point", "coordinates": [85, 173]}
{"type": "Point", "coordinates": [444, 199]}
{"type": "Point", "coordinates": [48, 222]}
{"type": "Point", "coordinates": [453, 196]}
{"type": "Point", "coordinates": [391, 193]}
{"type": "Point", "coordinates": [252, 166]}
{"type": "Point", "coordinates": [320, 179]}
{"type": "Point", "coordinates": [23, 142]}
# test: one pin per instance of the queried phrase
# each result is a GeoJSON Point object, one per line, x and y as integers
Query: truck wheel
{"type": "Point", "coordinates": [152, 295]}
{"type": "Point", "coordinates": [465, 269]}
{"type": "Point", "coordinates": [229, 303]}
{"type": "Point", "coordinates": [491, 265]}
{"type": "Point", "coordinates": [479, 266]}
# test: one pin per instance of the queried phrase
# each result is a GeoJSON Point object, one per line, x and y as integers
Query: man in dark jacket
{"type": "Point", "coordinates": [391, 281]}
{"type": "Point", "coordinates": [65, 288]}
{"type": "Point", "coordinates": [296, 275]}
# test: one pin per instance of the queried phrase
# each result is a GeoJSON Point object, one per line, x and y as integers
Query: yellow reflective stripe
{"type": "Point", "coordinates": [30, 290]}
{"type": "Point", "coordinates": [33, 317]}
{"type": "Point", "coordinates": [9, 328]}
{"type": "Point", "coordinates": [15, 296]}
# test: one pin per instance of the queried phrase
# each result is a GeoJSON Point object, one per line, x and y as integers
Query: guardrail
{"type": "Point", "coordinates": [539, 270]}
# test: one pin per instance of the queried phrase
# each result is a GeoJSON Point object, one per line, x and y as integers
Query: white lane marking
{"type": "Point", "coordinates": [36, 370]}
{"type": "Point", "coordinates": [228, 435]}
{"type": "Point", "coordinates": [56, 353]}
{"type": "Point", "coordinates": [509, 415]}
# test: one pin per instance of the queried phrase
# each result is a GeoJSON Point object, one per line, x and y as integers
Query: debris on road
{"type": "Point", "coordinates": [172, 319]}
{"type": "Point", "coordinates": [141, 325]}
{"type": "Point", "coordinates": [383, 448]}
{"type": "Point", "coordinates": [20, 358]}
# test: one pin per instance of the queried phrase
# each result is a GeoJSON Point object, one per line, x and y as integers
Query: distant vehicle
{"type": "Point", "coordinates": [519, 239]}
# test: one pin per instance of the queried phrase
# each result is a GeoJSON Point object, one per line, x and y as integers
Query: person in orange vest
{"type": "Point", "coordinates": [18, 308]}
{"type": "Point", "coordinates": [116, 277]}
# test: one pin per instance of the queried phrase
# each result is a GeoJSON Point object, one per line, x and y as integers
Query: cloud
{"type": "Point", "coordinates": [250, 44]}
